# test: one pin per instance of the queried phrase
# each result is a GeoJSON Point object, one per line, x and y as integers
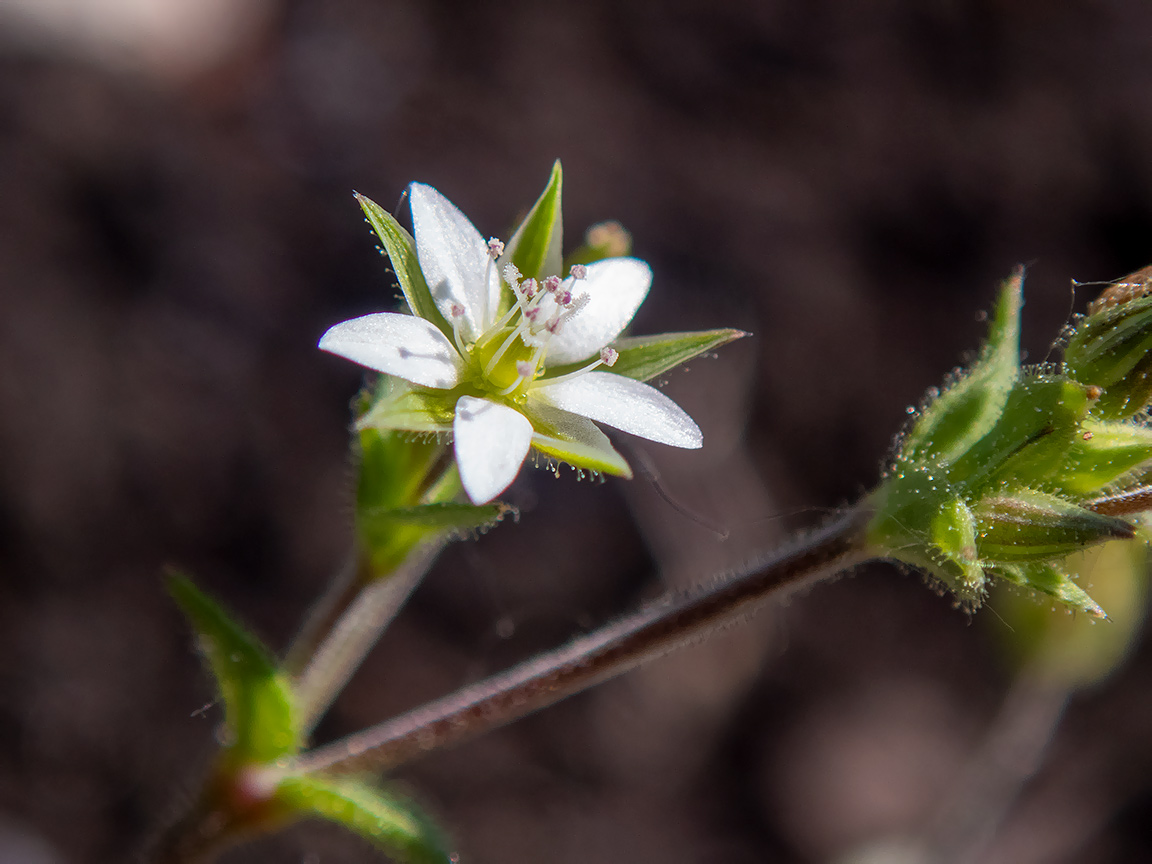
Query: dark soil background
{"type": "Point", "coordinates": [847, 181]}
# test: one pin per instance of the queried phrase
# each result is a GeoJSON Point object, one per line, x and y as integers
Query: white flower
{"type": "Point", "coordinates": [487, 362]}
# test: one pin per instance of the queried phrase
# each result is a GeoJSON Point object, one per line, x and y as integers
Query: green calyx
{"type": "Point", "coordinates": [1011, 469]}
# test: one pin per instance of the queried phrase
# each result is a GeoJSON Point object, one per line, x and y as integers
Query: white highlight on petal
{"type": "Point", "coordinates": [625, 404]}
{"type": "Point", "coordinates": [455, 261]}
{"type": "Point", "coordinates": [615, 289]}
{"type": "Point", "coordinates": [401, 345]}
{"type": "Point", "coordinates": [491, 441]}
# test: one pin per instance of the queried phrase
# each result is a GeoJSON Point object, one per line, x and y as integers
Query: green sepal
{"type": "Point", "coordinates": [1073, 651]}
{"type": "Point", "coordinates": [601, 241]}
{"type": "Point", "coordinates": [1051, 580]}
{"type": "Point", "coordinates": [968, 410]}
{"type": "Point", "coordinates": [1111, 348]}
{"type": "Point", "coordinates": [920, 520]}
{"type": "Point", "coordinates": [1027, 444]}
{"type": "Point", "coordinates": [952, 535]}
{"type": "Point", "coordinates": [644, 357]}
{"type": "Point", "coordinates": [1035, 526]}
{"type": "Point", "coordinates": [388, 820]}
{"type": "Point", "coordinates": [400, 406]}
{"type": "Point", "coordinates": [535, 245]}
{"type": "Point", "coordinates": [575, 440]}
{"type": "Point", "coordinates": [1102, 454]}
{"type": "Point", "coordinates": [401, 249]}
{"type": "Point", "coordinates": [258, 705]}
{"type": "Point", "coordinates": [393, 468]}
{"type": "Point", "coordinates": [405, 486]}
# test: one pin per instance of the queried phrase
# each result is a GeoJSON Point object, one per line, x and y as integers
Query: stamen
{"type": "Point", "coordinates": [599, 361]}
{"type": "Point", "coordinates": [578, 271]}
{"type": "Point", "coordinates": [529, 287]}
{"type": "Point", "coordinates": [512, 275]}
{"type": "Point", "coordinates": [495, 248]}
{"type": "Point", "coordinates": [609, 356]}
{"type": "Point", "coordinates": [552, 283]}
{"type": "Point", "coordinates": [456, 312]}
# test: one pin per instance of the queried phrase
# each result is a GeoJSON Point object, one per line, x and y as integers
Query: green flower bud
{"type": "Point", "coordinates": [1111, 347]}
{"type": "Point", "coordinates": [1036, 526]}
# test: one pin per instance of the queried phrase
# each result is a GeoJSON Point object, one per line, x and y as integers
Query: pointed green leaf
{"type": "Point", "coordinates": [401, 249]}
{"type": "Point", "coordinates": [388, 535]}
{"type": "Point", "coordinates": [1048, 579]}
{"type": "Point", "coordinates": [258, 707]}
{"type": "Point", "coordinates": [645, 357]}
{"type": "Point", "coordinates": [968, 409]}
{"type": "Point", "coordinates": [535, 245]}
{"type": "Point", "coordinates": [390, 821]}
{"type": "Point", "coordinates": [1034, 526]}
{"type": "Point", "coordinates": [1102, 454]}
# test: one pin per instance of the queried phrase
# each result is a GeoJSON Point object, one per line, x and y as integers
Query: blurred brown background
{"type": "Point", "coordinates": [847, 181]}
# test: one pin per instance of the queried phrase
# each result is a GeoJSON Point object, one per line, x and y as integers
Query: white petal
{"type": "Point", "coordinates": [401, 345]}
{"type": "Point", "coordinates": [629, 405]}
{"type": "Point", "coordinates": [615, 289]}
{"type": "Point", "coordinates": [454, 259]}
{"type": "Point", "coordinates": [491, 441]}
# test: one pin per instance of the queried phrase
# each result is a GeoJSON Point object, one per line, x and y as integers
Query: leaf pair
{"type": "Point", "coordinates": [252, 789]}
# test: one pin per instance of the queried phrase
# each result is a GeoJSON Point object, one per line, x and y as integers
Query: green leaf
{"type": "Point", "coordinates": [535, 245]}
{"type": "Point", "coordinates": [258, 706]}
{"type": "Point", "coordinates": [388, 535]}
{"type": "Point", "coordinates": [463, 518]}
{"type": "Point", "coordinates": [969, 409]}
{"type": "Point", "coordinates": [401, 249]}
{"type": "Point", "coordinates": [576, 440]}
{"type": "Point", "coordinates": [645, 357]}
{"type": "Point", "coordinates": [1102, 454]}
{"type": "Point", "coordinates": [390, 821]}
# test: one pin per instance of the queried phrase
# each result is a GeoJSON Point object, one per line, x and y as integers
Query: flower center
{"type": "Point", "coordinates": [509, 356]}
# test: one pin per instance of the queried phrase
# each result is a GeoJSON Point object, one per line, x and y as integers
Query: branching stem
{"type": "Point", "coordinates": [649, 633]}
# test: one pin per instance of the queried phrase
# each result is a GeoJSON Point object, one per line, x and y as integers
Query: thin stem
{"type": "Point", "coordinates": [365, 612]}
{"type": "Point", "coordinates": [342, 592]}
{"type": "Point", "coordinates": [589, 660]}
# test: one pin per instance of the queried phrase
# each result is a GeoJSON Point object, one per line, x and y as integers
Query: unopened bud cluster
{"type": "Point", "coordinates": [1012, 469]}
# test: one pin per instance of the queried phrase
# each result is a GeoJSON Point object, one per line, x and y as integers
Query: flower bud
{"type": "Point", "coordinates": [1036, 526]}
{"type": "Point", "coordinates": [1111, 347]}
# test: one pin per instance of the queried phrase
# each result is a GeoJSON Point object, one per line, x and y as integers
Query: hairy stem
{"type": "Point", "coordinates": [351, 624]}
{"type": "Point", "coordinates": [649, 633]}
